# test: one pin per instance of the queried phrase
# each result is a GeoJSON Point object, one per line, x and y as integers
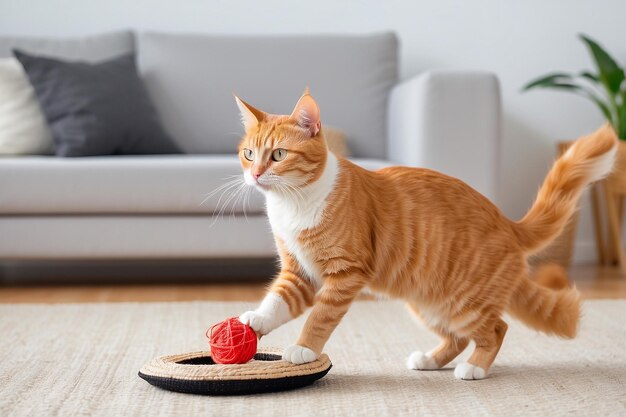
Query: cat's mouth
{"type": "Point", "coordinates": [266, 184]}
{"type": "Point", "coordinates": [254, 182]}
{"type": "Point", "coordinates": [261, 186]}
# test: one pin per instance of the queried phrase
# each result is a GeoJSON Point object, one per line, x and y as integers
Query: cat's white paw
{"type": "Point", "coordinates": [259, 323]}
{"type": "Point", "coordinates": [468, 371]}
{"type": "Point", "coordinates": [421, 361]}
{"type": "Point", "coordinates": [298, 355]}
{"type": "Point", "coordinates": [272, 313]}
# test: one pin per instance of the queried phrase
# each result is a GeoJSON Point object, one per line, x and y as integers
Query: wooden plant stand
{"type": "Point", "coordinates": [614, 192]}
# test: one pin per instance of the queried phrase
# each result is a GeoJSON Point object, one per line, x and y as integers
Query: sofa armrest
{"type": "Point", "coordinates": [448, 121]}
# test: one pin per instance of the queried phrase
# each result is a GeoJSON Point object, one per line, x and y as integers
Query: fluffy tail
{"type": "Point", "coordinates": [589, 159]}
{"type": "Point", "coordinates": [547, 303]}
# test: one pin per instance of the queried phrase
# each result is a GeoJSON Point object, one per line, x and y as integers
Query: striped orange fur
{"type": "Point", "coordinates": [412, 234]}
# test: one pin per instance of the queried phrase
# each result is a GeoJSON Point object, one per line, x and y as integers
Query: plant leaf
{"type": "Point", "coordinates": [604, 108]}
{"type": "Point", "coordinates": [610, 73]}
{"type": "Point", "coordinates": [585, 92]}
{"type": "Point", "coordinates": [547, 80]}
{"type": "Point", "coordinates": [591, 77]}
{"type": "Point", "coordinates": [565, 81]}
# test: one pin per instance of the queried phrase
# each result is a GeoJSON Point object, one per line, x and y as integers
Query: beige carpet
{"type": "Point", "coordinates": [82, 359]}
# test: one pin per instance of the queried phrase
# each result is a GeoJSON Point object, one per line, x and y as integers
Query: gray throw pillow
{"type": "Point", "coordinates": [96, 109]}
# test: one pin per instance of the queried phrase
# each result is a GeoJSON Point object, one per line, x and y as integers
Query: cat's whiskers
{"type": "Point", "coordinates": [236, 179]}
{"type": "Point", "coordinates": [241, 196]}
{"type": "Point", "coordinates": [233, 194]}
{"type": "Point", "coordinates": [226, 190]}
{"type": "Point", "coordinates": [296, 188]}
{"type": "Point", "coordinates": [284, 189]}
{"type": "Point", "coordinates": [296, 196]}
{"type": "Point", "coordinates": [282, 184]}
{"type": "Point", "coordinates": [221, 209]}
{"type": "Point", "coordinates": [246, 197]}
{"type": "Point", "coordinates": [229, 191]}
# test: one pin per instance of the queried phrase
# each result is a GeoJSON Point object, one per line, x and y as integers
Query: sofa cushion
{"type": "Point", "coordinates": [192, 80]}
{"type": "Point", "coordinates": [88, 48]}
{"type": "Point", "coordinates": [96, 108]}
{"type": "Point", "coordinates": [173, 184]}
{"type": "Point", "coordinates": [23, 127]}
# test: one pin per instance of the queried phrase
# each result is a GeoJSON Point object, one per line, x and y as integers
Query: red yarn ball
{"type": "Point", "coordinates": [232, 341]}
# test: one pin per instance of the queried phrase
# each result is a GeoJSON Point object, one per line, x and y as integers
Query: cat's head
{"type": "Point", "coordinates": [280, 153]}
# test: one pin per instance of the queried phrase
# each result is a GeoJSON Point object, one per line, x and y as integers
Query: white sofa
{"type": "Point", "coordinates": [148, 207]}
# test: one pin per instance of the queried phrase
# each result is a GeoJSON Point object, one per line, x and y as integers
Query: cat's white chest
{"type": "Point", "coordinates": [287, 223]}
{"type": "Point", "coordinates": [305, 258]}
{"type": "Point", "coordinates": [290, 215]}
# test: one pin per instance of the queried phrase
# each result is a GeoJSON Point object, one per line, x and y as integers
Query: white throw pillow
{"type": "Point", "coordinates": [23, 127]}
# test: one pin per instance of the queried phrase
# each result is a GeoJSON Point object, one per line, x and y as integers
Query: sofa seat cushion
{"type": "Point", "coordinates": [172, 184]}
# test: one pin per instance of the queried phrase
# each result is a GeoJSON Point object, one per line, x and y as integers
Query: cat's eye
{"type": "Point", "coordinates": [248, 154]}
{"type": "Point", "coordinates": [279, 154]}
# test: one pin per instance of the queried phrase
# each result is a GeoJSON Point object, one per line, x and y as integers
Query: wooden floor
{"type": "Point", "coordinates": [594, 283]}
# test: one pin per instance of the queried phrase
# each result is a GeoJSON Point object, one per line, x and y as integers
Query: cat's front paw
{"type": "Point", "coordinates": [259, 323]}
{"type": "Point", "coordinates": [298, 355]}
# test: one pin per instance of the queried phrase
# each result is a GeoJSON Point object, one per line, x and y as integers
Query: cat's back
{"type": "Point", "coordinates": [418, 179]}
{"type": "Point", "coordinates": [402, 180]}
{"type": "Point", "coordinates": [425, 191]}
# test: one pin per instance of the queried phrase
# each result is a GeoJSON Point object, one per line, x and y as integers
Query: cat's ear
{"type": "Point", "coordinates": [250, 116]}
{"type": "Point", "coordinates": [307, 113]}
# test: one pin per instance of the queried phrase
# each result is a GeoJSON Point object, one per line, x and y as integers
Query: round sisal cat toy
{"type": "Point", "coordinates": [233, 366]}
{"type": "Point", "coordinates": [197, 373]}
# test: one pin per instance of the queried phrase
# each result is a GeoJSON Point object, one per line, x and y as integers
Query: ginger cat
{"type": "Point", "coordinates": [409, 233]}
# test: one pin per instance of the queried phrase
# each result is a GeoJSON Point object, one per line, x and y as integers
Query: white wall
{"type": "Point", "coordinates": [515, 39]}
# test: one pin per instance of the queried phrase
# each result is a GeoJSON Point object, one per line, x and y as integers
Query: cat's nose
{"type": "Point", "coordinates": [256, 173]}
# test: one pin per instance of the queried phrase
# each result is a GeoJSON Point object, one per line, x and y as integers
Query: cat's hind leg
{"type": "Point", "coordinates": [488, 338]}
{"type": "Point", "coordinates": [449, 348]}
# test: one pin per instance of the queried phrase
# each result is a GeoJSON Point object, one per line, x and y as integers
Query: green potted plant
{"type": "Point", "coordinates": [607, 90]}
